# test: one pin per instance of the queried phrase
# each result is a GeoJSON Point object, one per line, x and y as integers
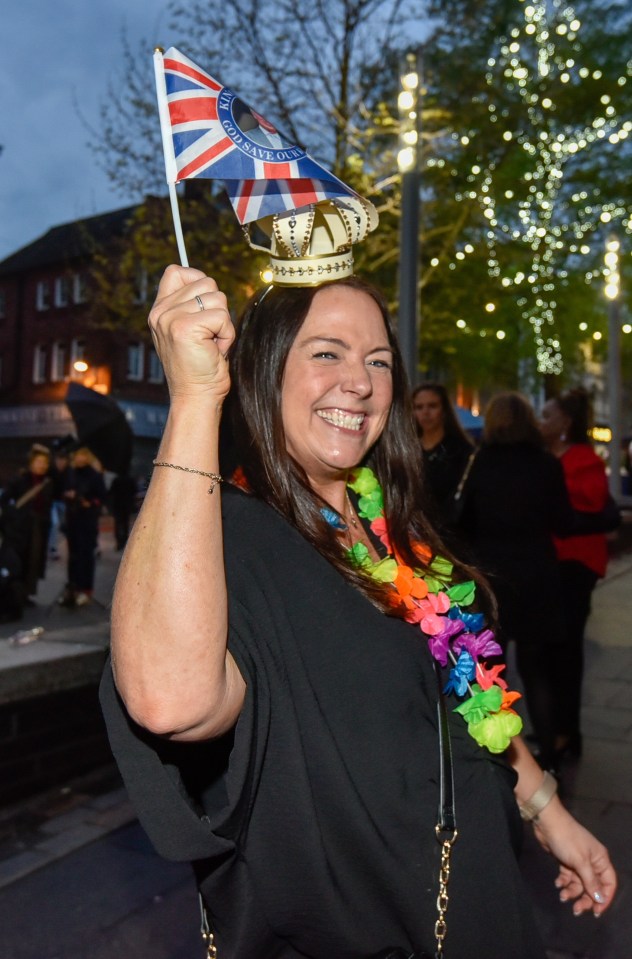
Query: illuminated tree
{"type": "Point", "coordinates": [537, 162]}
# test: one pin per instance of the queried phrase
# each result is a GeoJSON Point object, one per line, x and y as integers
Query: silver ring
{"type": "Point", "coordinates": [199, 301]}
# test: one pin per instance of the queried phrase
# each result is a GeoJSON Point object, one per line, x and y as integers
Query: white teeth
{"type": "Point", "coordinates": [348, 421]}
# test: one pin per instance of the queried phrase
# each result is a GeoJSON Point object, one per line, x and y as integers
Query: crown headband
{"type": "Point", "coordinates": [289, 206]}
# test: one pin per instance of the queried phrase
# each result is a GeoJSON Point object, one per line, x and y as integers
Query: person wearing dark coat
{"type": "Point", "coordinates": [28, 499]}
{"type": "Point", "coordinates": [515, 499]}
{"type": "Point", "coordinates": [445, 447]}
{"type": "Point", "coordinates": [122, 502]}
{"type": "Point", "coordinates": [84, 495]}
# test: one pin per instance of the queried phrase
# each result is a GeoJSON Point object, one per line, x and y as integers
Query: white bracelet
{"type": "Point", "coordinates": [531, 809]}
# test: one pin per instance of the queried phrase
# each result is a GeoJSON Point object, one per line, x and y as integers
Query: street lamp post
{"type": "Point", "coordinates": [612, 290]}
{"type": "Point", "coordinates": [408, 163]}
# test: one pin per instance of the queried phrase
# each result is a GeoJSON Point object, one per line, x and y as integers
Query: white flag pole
{"type": "Point", "coordinates": [167, 148]}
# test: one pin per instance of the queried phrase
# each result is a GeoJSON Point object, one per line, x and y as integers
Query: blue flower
{"type": "Point", "coordinates": [463, 672]}
{"type": "Point", "coordinates": [472, 621]}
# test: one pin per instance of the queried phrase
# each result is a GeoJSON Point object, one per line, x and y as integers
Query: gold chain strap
{"type": "Point", "coordinates": [206, 931]}
{"type": "Point", "coordinates": [441, 927]}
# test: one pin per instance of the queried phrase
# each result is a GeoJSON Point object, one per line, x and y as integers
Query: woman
{"type": "Point", "coordinates": [31, 496]}
{"type": "Point", "coordinates": [84, 495]}
{"type": "Point", "coordinates": [582, 559]}
{"type": "Point", "coordinates": [260, 674]}
{"type": "Point", "coordinates": [446, 447]}
{"type": "Point", "coordinates": [515, 500]}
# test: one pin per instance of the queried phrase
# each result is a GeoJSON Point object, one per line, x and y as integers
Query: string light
{"type": "Point", "coordinates": [537, 61]}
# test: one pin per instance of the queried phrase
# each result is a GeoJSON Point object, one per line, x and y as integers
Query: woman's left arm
{"type": "Point", "coordinates": [586, 874]}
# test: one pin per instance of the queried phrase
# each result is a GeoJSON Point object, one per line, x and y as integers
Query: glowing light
{"type": "Point", "coordinates": [406, 159]}
{"type": "Point", "coordinates": [583, 327]}
{"type": "Point", "coordinates": [490, 307]}
{"type": "Point", "coordinates": [405, 101]}
{"type": "Point", "coordinates": [461, 324]}
{"type": "Point", "coordinates": [500, 334]}
{"type": "Point", "coordinates": [626, 328]}
{"type": "Point", "coordinates": [80, 366]}
{"type": "Point", "coordinates": [410, 81]}
{"type": "Point", "coordinates": [267, 276]}
{"type": "Point", "coordinates": [597, 335]}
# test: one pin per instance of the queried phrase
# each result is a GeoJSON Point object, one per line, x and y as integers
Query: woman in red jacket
{"type": "Point", "coordinates": [583, 559]}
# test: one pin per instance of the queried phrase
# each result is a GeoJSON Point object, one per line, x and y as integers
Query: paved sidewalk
{"type": "Point", "coordinates": [72, 647]}
{"type": "Point", "coordinates": [598, 788]}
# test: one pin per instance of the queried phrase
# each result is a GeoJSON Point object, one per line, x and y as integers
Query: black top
{"type": "Point", "coordinates": [514, 500]}
{"type": "Point", "coordinates": [443, 467]}
{"type": "Point", "coordinates": [312, 825]}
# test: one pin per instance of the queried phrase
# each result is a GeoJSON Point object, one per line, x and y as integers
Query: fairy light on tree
{"type": "Point", "coordinates": [537, 165]}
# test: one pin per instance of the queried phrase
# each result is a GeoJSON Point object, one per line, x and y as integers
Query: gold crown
{"type": "Point", "coordinates": [313, 245]}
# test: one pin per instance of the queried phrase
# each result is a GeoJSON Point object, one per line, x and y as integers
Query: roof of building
{"type": "Point", "coordinates": [67, 242]}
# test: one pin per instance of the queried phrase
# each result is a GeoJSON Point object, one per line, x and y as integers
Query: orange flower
{"type": "Point", "coordinates": [487, 677]}
{"type": "Point", "coordinates": [509, 699]}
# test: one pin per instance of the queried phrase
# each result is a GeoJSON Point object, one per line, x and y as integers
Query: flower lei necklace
{"type": "Point", "coordinates": [439, 608]}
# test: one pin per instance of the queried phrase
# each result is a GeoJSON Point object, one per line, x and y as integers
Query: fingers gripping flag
{"type": "Point", "coordinates": [209, 132]}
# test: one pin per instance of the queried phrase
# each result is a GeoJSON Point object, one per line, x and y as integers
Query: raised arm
{"type": "Point", "coordinates": [169, 616]}
{"type": "Point", "coordinates": [586, 877]}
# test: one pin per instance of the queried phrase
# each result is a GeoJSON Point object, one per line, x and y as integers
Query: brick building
{"type": "Point", "coordinates": [48, 337]}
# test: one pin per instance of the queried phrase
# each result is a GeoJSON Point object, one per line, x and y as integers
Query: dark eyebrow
{"type": "Point", "coordinates": [335, 341]}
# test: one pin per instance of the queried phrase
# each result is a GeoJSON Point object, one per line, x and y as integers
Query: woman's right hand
{"type": "Point", "coordinates": [192, 343]}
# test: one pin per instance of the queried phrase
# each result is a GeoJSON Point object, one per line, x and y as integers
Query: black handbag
{"type": "Point", "coordinates": [445, 831]}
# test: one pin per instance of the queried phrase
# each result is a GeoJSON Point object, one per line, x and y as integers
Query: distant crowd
{"type": "Point", "coordinates": [59, 495]}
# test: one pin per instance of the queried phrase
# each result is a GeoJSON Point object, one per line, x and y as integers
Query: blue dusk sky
{"type": "Point", "coordinates": [56, 53]}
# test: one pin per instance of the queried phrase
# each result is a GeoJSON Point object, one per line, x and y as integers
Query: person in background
{"type": "Point", "coordinates": [84, 495]}
{"type": "Point", "coordinates": [122, 503]}
{"type": "Point", "coordinates": [446, 447]}
{"type": "Point", "coordinates": [514, 500]}
{"type": "Point", "coordinates": [30, 497]}
{"type": "Point", "coordinates": [59, 473]}
{"type": "Point", "coordinates": [564, 424]}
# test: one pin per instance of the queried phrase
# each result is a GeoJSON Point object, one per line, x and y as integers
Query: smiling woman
{"type": "Point", "coordinates": [256, 664]}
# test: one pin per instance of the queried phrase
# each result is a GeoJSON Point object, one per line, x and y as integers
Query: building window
{"type": "Point", "coordinates": [39, 364]}
{"type": "Point", "coordinates": [58, 362]}
{"type": "Point", "coordinates": [3, 305]}
{"type": "Point", "coordinates": [140, 285]}
{"type": "Point", "coordinates": [62, 291]}
{"type": "Point", "coordinates": [135, 361]}
{"type": "Point", "coordinates": [42, 295]}
{"type": "Point", "coordinates": [156, 372]}
{"type": "Point", "coordinates": [79, 288]}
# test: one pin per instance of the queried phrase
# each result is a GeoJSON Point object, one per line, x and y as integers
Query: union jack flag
{"type": "Point", "coordinates": [211, 133]}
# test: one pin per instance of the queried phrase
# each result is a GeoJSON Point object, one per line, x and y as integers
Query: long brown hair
{"type": "Point", "coordinates": [509, 418]}
{"type": "Point", "coordinates": [266, 332]}
{"type": "Point", "coordinates": [575, 403]}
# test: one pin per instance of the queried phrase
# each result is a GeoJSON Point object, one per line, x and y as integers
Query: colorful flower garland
{"type": "Point", "coordinates": [430, 601]}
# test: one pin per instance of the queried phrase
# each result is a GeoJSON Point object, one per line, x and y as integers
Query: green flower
{"type": "Point", "coordinates": [385, 571]}
{"type": "Point", "coordinates": [481, 703]}
{"type": "Point", "coordinates": [364, 482]}
{"type": "Point", "coordinates": [462, 593]}
{"type": "Point", "coordinates": [371, 505]}
{"type": "Point", "coordinates": [496, 731]}
{"type": "Point", "coordinates": [359, 555]}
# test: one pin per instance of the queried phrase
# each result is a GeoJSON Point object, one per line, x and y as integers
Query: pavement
{"type": "Point", "coordinates": [84, 841]}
